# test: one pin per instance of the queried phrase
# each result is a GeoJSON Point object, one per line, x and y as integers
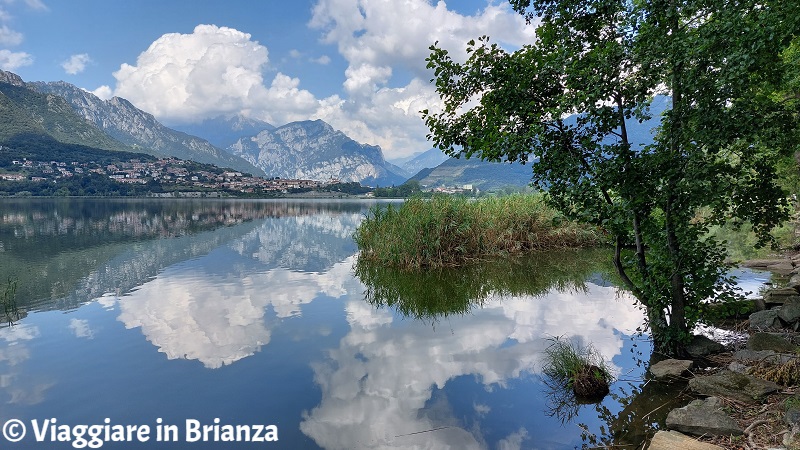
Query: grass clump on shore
{"type": "Point", "coordinates": [447, 231]}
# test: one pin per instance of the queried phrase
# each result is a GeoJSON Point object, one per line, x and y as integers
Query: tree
{"type": "Point", "coordinates": [567, 100]}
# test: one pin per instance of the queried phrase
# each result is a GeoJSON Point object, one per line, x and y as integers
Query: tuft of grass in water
{"type": "Point", "coordinates": [580, 368]}
{"type": "Point", "coordinates": [9, 303]}
{"type": "Point", "coordinates": [447, 231]}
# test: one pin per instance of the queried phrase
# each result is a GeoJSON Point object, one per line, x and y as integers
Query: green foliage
{"type": "Point", "coordinates": [405, 190]}
{"type": "Point", "coordinates": [568, 99]}
{"type": "Point", "coordinates": [9, 302]}
{"type": "Point", "coordinates": [448, 231]}
{"type": "Point", "coordinates": [432, 294]}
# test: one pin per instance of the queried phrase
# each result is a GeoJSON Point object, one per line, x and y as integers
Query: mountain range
{"type": "Point", "coordinates": [47, 112]}
{"type": "Point", "coordinates": [43, 117]}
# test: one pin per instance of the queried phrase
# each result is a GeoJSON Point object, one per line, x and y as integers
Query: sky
{"type": "Point", "coordinates": [356, 64]}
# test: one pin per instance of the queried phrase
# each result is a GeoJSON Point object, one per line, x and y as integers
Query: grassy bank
{"type": "Point", "coordinates": [447, 231]}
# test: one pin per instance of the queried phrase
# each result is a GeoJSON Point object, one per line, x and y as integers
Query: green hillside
{"type": "Point", "coordinates": [25, 112]}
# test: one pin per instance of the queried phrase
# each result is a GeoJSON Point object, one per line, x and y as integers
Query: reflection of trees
{"type": "Point", "coordinates": [434, 294]}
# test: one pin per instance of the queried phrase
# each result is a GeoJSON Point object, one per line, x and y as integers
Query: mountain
{"type": "Point", "coordinates": [483, 175]}
{"type": "Point", "coordinates": [421, 160]}
{"type": "Point", "coordinates": [28, 115]}
{"type": "Point", "coordinates": [487, 176]}
{"type": "Point", "coordinates": [140, 131]}
{"type": "Point", "coordinates": [224, 131]}
{"type": "Point", "coordinates": [314, 150]}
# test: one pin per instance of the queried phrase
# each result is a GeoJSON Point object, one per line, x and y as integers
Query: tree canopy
{"type": "Point", "coordinates": [728, 72]}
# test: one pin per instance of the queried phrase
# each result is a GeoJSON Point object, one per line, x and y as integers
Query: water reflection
{"type": "Point", "coordinates": [68, 251]}
{"type": "Point", "coordinates": [251, 311]}
{"type": "Point", "coordinates": [394, 383]}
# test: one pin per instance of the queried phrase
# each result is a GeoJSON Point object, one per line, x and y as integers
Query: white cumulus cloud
{"type": "Point", "coordinates": [76, 63]}
{"type": "Point", "coordinates": [8, 36]}
{"type": "Point", "coordinates": [211, 71]}
{"type": "Point", "coordinates": [14, 60]}
{"type": "Point", "coordinates": [104, 92]}
{"type": "Point", "coordinates": [217, 70]}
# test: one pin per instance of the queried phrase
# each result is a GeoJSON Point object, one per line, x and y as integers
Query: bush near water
{"type": "Point", "coordinates": [446, 231]}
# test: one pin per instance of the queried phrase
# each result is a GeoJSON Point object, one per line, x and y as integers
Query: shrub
{"type": "Point", "coordinates": [446, 231]}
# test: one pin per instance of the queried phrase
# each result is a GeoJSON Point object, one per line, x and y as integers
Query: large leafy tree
{"type": "Point", "coordinates": [567, 100]}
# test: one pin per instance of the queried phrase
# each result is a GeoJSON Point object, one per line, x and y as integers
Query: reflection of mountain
{"type": "Point", "coordinates": [65, 252]}
{"type": "Point", "coordinates": [379, 387]}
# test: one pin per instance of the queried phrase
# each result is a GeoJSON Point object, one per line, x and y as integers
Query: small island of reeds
{"type": "Point", "coordinates": [447, 231]}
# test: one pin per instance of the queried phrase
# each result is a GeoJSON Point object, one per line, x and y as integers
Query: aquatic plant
{"type": "Point", "coordinates": [579, 368]}
{"type": "Point", "coordinates": [8, 300]}
{"type": "Point", "coordinates": [446, 231]}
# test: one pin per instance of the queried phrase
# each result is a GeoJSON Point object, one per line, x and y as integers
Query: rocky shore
{"type": "Point", "coordinates": [747, 392]}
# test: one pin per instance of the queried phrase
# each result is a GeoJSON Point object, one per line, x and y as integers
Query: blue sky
{"type": "Point", "coordinates": [357, 64]}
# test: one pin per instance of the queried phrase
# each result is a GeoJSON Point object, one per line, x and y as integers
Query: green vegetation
{"type": "Point", "coordinates": [446, 231]}
{"type": "Point", "coordinates": [9, 302]}
{"type": "Point", "coordinates": [579, 368]}
{"type": "Point", "coordinates": [405, 190]}
{"type": "Point", "coordinates": [568, 100]}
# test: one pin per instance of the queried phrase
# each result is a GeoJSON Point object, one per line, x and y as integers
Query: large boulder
{"type": "Point", "coordinates": [703, 418]}
{"type": "Point", "coordinates": [780, 296]}
{"type": "Point", "coordinates": [790, 311]}
{"type": "Point", "coordinates": [672, 440]}
{"type": "Point", "coordinates": [777, 342]}
{"type": "Point", "coordinates": [738, 386]}
{"type": "Point", "coordinates": [703, 346]}
{"type": "Point", "coordinates": [670, 368]}
{"type": "Point", "coordinates": [757, 356]}
{"type": "Point", "coordinates": [765, 320]}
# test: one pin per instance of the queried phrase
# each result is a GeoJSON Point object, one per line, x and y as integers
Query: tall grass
{"type": "Point", "coordinates": [446, 231]}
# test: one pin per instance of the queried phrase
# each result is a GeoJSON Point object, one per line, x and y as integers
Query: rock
{"type": "Point", "coordinates": [790, 311]}
{"type": "Point", "coordinates": [764, 263]}
{"type": "Point", "coordinates": [770, 341]}
{"type": "Point", "coordinates": [670, 368]}
{"type": "Point", "coordinates": [703, 346]}
{"type": "Point", "coordinates": [792, 417]}
{"type": "Point", "coordinates": [791, 440]}
{"type": "Point", "coordinates": [738, 386]}
{"type": "Point", "coordinates": [762, 355]}
{"type": "Point", "coordinates": [780, 296]}
{"type": "Point", "coordinates": [784, 267]}
{"type": "Point", "coordinates": [703, 417]}
{"type": "Point", "coordinates": [671, 440]}
{"type": "Point", "coordinates": [736, 366]}
{"type": "Point", "coordinates": [765, 320]}
{"type": "Point", "coordinates": [795, 280]}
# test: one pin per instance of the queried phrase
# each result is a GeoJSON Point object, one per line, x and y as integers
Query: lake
{"type": "Point", "coordinates": [171, 315]}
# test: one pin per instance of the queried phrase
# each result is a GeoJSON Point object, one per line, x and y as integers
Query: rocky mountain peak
{"type": "Point", "coordinates": [11, 78]}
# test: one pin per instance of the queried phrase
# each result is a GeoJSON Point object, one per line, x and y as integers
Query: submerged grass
{"type": "Point", "coordinates": [447, 231]}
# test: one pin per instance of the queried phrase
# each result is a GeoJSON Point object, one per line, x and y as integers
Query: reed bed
{"type": "Point", "coordinates": [448, 231]}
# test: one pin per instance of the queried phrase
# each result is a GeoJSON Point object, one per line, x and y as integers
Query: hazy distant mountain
{"type": "Point", "coordinates": [224, 131]}
{"type": "Point", "coordinates": [487, 176]}
{"type": "Point", "coordinates": [314, 150]}
{"type": "Point", "coordinates": [421, 160]}
{"type": "Point", "coordinates": [483, 175]}
{"type": "Point", "coordinates": [141, 131]}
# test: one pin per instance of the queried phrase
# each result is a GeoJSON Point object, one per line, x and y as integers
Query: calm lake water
{"type": "Point", "coordinates": [250, 312]}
